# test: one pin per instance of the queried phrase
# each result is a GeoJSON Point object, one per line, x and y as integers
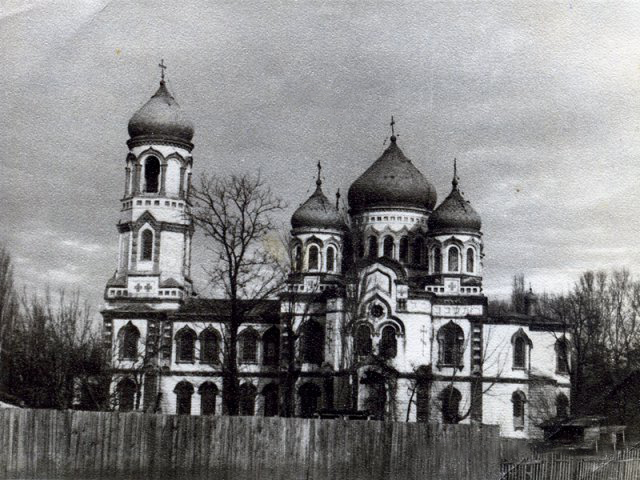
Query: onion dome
{"type": "Point", "coordinates": [161, 119]}
{"type": "Point", "coordinates": [318, 211]}
{"type": "Point", "coordinates": [455, 213]}
{"type": "Point", "coordinates": [392, 181]}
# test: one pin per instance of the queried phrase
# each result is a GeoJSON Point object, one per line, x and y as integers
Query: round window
{"type": "Point", "coordinates": [377, 311]}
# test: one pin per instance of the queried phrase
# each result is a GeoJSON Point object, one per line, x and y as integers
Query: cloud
{"type": "Point", "coordinates": [539, 103]}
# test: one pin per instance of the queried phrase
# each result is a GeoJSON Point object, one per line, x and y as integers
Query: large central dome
{"type": "Point", "coordinates": [392, 182]}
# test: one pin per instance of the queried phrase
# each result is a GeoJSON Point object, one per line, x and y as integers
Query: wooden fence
{"type": "Point", "coordinates": [623, 465]}
{"type": "Point", "coordinates": [55, 444]}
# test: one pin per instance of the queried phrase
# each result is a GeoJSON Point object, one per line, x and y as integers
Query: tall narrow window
{"type": "Point", "coordinates": [363, 340]}
{"type": "Point", "coordinates": [309, 396]}
{"type": "Point", "coordinates": [314, 258]}
{"type": "Point", "coordinates": [247, 399]}
{"type": "Point", "coordinates": [312, 342]}
{"type": "Point", "coordinates": [208, 392]}
{"type": "Point", "coordinates": [437, 260]}
{"type": "Point", "coordinates": [450, 400]}
{"type": "Point", "coordinates": [248, 346]}
{"type": "Point", "coordinates": [518, 399]}
{"type": "Point", "coordinates": [416, 254]}
{"type": "Point", "coordinates": [126, 395]}
{"type": "Point", "coordinates": [450, 341]}
{"type": "Point", "coordinates": [388, 346]}
{"type": "Point", "coordinates": [147, 245]}
{"type": "Point", "coordinates": [209, 347]}
{"type": "Point", "coordinates": [297, 258]}
{"type": "Point", "coordinates": [562, 356]}
{"type": "Point", "coordinates": [271, 346]}
{"type": "Point", "coordinates": [562, 406]}
{"type": "Point", "coordinates": [519, 353]}
{"type": "Point", "coordinates": [423, 394]}
{"type": "Point", "coordinates": [331, 259]}
{"type": "Point", "coordinates": [373, 246]}
{"type": "Point", "coordinates": [454, 259]}
{"type": "Point", "coordinates": [186, 345]}
{"type": "Point", "coordinates": [387, 246]}
{"type": "Point", "coordinates": [270, 393]}
{"type": "Point", "coordinates": [129, 337]}
{"type": "Point", "coordinates": [471, 260]}
{"type": "Point", "coordinates": [151, 174]}
{"type": "Point", "coordinates": [183, 391]}
{"type": "Point", "coordinates": [404, 249]}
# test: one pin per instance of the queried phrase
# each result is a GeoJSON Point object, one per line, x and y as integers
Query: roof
{"type": "Point", "coordinates": [170, 283]}
{"type": "Point", "coordinates": [260, 310]}
{"type": "Point", "coordinates": [454, 213]}
{"type": "Point", "coordinates": [117, 281]}
{"type": "Point", "coordinates": [161, 119]}
{"type": "Point", "coordinates": [579, 422]}
{"type": "Point", "coordinates": [318, 212]}
{"type": "Point", "coordinates": [523, 319]}
{"type": "Point", "coordinates": [392, 181]}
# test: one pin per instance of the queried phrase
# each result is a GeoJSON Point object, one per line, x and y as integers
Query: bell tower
{"type": "Point", "coordinates": [155, 231]}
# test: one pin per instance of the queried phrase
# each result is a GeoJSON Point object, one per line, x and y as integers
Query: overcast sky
{"type": "Point", "coordinates": [540, 104]}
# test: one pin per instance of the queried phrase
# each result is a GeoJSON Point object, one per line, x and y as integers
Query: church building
{"type": "Point", "coordinates": [386, 301]}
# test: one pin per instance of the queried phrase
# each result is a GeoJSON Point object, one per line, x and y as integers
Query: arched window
{"type": "Point", "coordinates": [271, 346]}
{"type": "Point", "coordinates": [208, 392]}
{"type": "Point", "coordinates": [209, 346]}
{"type": "Point", "coordinates": [404, 249]}
{"type": "Point", "coordinates": [521, 344]}
{"type": "Point", "coordinates": [248, 341]}
{"type": "Point", "coordinates": [373, 246]}
{"type": "Point", "coordinates": [331, 259]}
{"type": "Point", "coordinates": [126, 394]}
{"type": "Point", "coordinates": [309, 396]}
{"type": "Point", "coordinates": [471, 260]}
{"type": "Point", "coordinates": [417, 251]}
{"type": "Point", "coordinates": [297, 259]}
{"type": "Point", "coordinates": [183, 391]}
{"type": "Point", "coordinates": [376, 394]}
{"type": "Point", "coordinates": [450, 400]}
{"type": "Point", "coordinates": [423, 394]}
{"type": "Point", "coordinates": [151, 174]}
{"type": "Point", "coordinates": [562, 356]}
{"type": "Point", "coordinates": [129, 337]}
{"type": "Point", "coordinates": [270, 393]}
{"type": "Point", "coordinates": [312, 347]}
{"type": "Point", "coordinates": [450, 341]}
{"type": "Point", "coordinates": [388, 346]}
{"type": "Point", "coordinates": [562, 406]}
{"type": "Point", "coordinates": [314, 257]}
{"type": "Point", "coordinates": [363, 340]}
{"type": "Point", "coordinates": [247, 399]}
{"type": "Point", "coordinates": [147, 245]}
{"type": "Point", "coordinates": [454, 259]}
{"type": "Point", "coordinates": [387, 246]}
{"type": "Point", "coordinates": [437, 260]}
{"type": "Point", "coordinates": [519, 353]}
{"type": "Point", "coordinates": [185, 345]}
{"type": "Point", "coordinates": [518, 399]}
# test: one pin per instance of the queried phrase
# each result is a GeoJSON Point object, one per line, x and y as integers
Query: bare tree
{"type": "Point", "coordinates": [53, 349]}
{"type": "Point", "coordinates": [8, 302]}
{"type": "Point", "coordinates": [235, 215]}
{"type": "Point", "coordinates": [518, 293]}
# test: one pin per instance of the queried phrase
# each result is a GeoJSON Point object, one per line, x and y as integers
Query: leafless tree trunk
{"type": "Point", "coordinates": [235, 215]}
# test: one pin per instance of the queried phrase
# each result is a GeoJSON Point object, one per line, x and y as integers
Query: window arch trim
{"type": "Point", "coordinates": [179, 339]}
{"type": "Point", "coordinates": [451, 346]}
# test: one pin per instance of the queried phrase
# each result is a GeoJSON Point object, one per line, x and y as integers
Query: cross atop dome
{"type": "Point", "coordinates": [393, 133]}
{"type": "Point", "coordinates": [163, 67]}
